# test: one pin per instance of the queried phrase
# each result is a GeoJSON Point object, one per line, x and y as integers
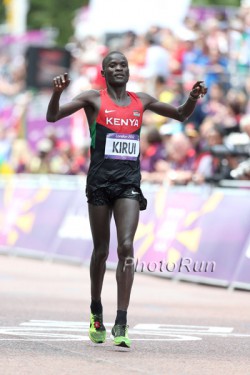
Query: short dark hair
{"type": "Point", "coordinates": [106, 58]}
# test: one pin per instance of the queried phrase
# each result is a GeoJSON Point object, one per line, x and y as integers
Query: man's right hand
{"type": "Point", "coordinates": [61, 82]}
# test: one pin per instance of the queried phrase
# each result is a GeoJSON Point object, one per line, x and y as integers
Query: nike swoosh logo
{"type": "Point", "coordinates": [109, 110]}
{"type": "Point", "coordinates": [134, 192]}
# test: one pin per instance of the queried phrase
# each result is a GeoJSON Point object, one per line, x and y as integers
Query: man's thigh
{"type": "Point", "coordinates": [126, 215]}
{"type": "Point", "coordinates": [99, 218]}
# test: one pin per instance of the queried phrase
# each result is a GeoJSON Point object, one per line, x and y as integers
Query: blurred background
{"type": "Point", "coordinates": [167, 49]}
{"type": "Point", "coordinates": [194, 162]}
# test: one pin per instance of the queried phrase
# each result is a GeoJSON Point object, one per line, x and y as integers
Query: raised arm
{"type": "Point", "coordinates": [55, 112]}
{"type": "Point", "coordinates": [180, 113]}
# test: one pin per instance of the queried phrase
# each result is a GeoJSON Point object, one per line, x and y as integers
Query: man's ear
{"type": "Point", "coordinates": [103, 73]}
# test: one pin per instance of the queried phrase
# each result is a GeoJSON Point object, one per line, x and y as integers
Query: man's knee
{"type": "Point", "coordinates": [125, 250]}
{"type": "Point", "coordinates": [101, 253]}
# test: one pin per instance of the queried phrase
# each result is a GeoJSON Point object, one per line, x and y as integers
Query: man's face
{"type": "Point", "coordinates": [116, 71]}
{"type": "Point", "coordinates": [247, 129]}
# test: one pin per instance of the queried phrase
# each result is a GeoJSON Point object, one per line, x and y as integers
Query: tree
{"type": "Point", "coordinates": [2, 12]}
{"type": "Point", "coordinates": [58, 14]}
{"type": "Point", "coordinates": [225, 3]}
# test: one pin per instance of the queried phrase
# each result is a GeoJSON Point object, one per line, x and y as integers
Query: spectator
{"type": "Point", "coordinates": [214, 67]}
{"type": "Point", "coordinates": [21, 156]}
{"type": "Point", "coordinates": [156, 62]}
{"type": "Point", "coordinates": [181, 158]}
{"type": "Point", "coordinates": [245, 125]}
{"type": "Point", "coordinates": [164, 61]}
{"type": "Point", "coordinates": [12, 82]}
{"type": "Point", "coordinates": [152, 148]}
{"type": "Point", "coordinates": [41, 163]}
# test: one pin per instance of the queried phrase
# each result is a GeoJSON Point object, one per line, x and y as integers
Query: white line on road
{"type": "Point", "coordinates": [49, 330]}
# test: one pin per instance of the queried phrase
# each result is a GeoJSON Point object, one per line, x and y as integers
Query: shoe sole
{"type": "Point", "coordinates": [97, 342]}
{"type": "Point", "coordinates": [122, 344]}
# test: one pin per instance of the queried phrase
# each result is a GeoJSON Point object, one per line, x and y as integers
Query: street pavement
{"type": "Point", "coordinates": [177, 328]}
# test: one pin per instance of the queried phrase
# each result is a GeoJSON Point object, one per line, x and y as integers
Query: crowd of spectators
{"type": "Point", "coordinates": [213, 144]}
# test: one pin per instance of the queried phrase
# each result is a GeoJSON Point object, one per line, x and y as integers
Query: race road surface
{"type": "Point", "coordinates": [176, 328]}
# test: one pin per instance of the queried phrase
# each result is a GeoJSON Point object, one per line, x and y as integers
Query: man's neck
{"type": "Point", "coordinates": [118, 94]}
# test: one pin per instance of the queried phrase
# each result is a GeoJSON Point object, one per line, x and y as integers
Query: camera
{"type": "Point", "coordinates": [224, 154]}
{"type": "Point", "coordinates": [222, 151]}
{"type": "Point", "coordinates": [242, 170]}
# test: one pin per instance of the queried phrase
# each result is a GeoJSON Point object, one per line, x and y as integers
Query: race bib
{"type": "Point", "coordinates": [122, 146]}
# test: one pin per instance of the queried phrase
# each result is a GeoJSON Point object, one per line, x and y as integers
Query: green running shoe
{"type": "Point", "coordinates": [97, 331]}
{"type": "Point", "coordinates": [119, 334]}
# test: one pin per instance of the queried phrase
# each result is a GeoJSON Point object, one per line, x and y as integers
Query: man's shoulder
{"type": "Point", "coordinates": [92, 93]}
{"type": "Point", "coordinates": [141, 94]}
{"type": "Point", "coordinates": [88, 96]}
{"type": "Point", "coordinates": [145, 98]}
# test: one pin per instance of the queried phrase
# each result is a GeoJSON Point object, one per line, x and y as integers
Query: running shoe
{"type": "Point", "coordinates": [97, 331]}
{"type": "Point", "coordinates": [119, 334]}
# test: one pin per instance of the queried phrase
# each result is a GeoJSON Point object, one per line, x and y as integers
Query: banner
{"type": "Point", "coordinates": [241, 277]}
{"type": "Point", "coordinates": [193, 233]}
{"type": "Point", "coordinates": [189, 233]}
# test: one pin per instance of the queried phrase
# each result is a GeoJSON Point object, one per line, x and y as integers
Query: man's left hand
{"type": "Point", "coordinates": [198, 90]}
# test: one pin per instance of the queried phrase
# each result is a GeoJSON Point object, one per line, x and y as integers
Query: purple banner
{"type": "Point", "coordinates": [196, 233]}
{"type": "Point", "coordinates": [45, 219]}
{"type": "Point", "coordinates": [31, 124]}
{"type": "Point", "coordinates": [241, 277]}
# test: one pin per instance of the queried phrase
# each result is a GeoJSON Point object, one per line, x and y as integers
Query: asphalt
{"type": "Point", "coordinates": [177, 328]}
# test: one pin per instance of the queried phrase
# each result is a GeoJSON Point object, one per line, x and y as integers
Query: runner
{"type": "Point", "coordinates": [113, 181]}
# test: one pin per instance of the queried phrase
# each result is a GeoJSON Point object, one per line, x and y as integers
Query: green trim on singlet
{"type": "Point", "coordinates": [93, 134]}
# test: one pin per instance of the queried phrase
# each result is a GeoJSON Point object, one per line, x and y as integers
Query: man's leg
{"type": "Point", "coordinates": [126, 215]}
{"type": "Point", "coordinates": [99, 217]}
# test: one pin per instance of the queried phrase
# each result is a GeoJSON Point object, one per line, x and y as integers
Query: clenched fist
{"type": "Point", "coordinates": [61, 82]}
{"type": "Point", "coordinates": [198, 90]}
